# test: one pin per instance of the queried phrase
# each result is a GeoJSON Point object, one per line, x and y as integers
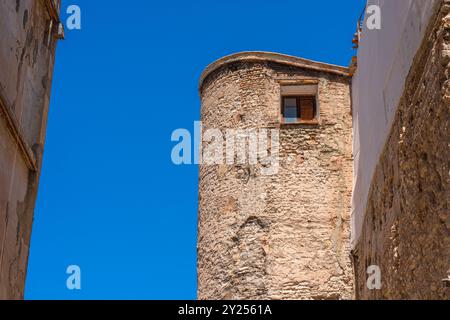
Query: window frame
{"type": "Point", "coordinates": [299, 119]}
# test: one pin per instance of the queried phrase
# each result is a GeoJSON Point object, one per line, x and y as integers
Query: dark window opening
{"type": "Point", "coordinates": [299, 108]}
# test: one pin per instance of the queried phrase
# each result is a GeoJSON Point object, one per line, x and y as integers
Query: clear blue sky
{"type": "Point", "coordinates": [110, 199]}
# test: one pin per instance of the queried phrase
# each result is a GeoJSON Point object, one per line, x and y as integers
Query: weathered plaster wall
{"type": "Point", "coordinates": [384, 59]}
{"type": "Point", "coordinates": [284, 236]}
{"type": "Point", "coordinates": [406, 230]}
{"type": "Point", "coordinates": [27, 48]}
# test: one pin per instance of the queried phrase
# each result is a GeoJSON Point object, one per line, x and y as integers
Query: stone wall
{"type": "Point", "coordinates": [384, 58]}
{"type": "Point", "coordinates": [28, 35]}
{"type": "Point", "coordinates": [284, 236]}
{"type": "Point", "coordinates": [406, 231]}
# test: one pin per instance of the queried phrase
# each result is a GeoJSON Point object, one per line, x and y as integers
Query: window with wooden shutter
{"type": "Point", "coordinates": [306, 108]}
{"type": "Point", "coordinates": [298, 109]}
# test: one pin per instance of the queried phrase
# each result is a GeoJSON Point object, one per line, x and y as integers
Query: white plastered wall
{"type": "Point", "coordinates": [384, 60]}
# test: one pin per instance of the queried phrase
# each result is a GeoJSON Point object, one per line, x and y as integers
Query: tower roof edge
{"type": "Point", "coordinates": [273, 57]}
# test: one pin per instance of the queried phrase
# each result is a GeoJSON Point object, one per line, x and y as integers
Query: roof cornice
{"type": "Point", "coordinates": [261, 56]}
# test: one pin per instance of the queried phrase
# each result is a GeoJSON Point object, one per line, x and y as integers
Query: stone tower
{"type": "Point", "coordinates": [283, 235]}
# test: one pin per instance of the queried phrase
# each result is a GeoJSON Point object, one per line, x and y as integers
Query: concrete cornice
{"type": "Point", "coordinates": [253, 56]}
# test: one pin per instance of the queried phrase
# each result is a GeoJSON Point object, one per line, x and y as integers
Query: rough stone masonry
{"type": "Point", "coordinates": [283, 236]}
{"type": "Point", "coordinates": [406, 231]}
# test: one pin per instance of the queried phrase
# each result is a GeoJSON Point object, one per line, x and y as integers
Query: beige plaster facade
{"type": "Point", "coordinates": [29, 30]}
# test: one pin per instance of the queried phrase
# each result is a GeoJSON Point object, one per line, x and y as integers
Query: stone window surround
{"type": "Point", "coordinates": [299, 87]}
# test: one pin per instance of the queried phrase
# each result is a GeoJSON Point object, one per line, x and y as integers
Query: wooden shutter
{"type": "Point", "coordinates": [307, 108]}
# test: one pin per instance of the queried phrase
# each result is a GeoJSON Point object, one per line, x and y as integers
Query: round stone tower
{"type": "Point", "coordinates": [275, 179]}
